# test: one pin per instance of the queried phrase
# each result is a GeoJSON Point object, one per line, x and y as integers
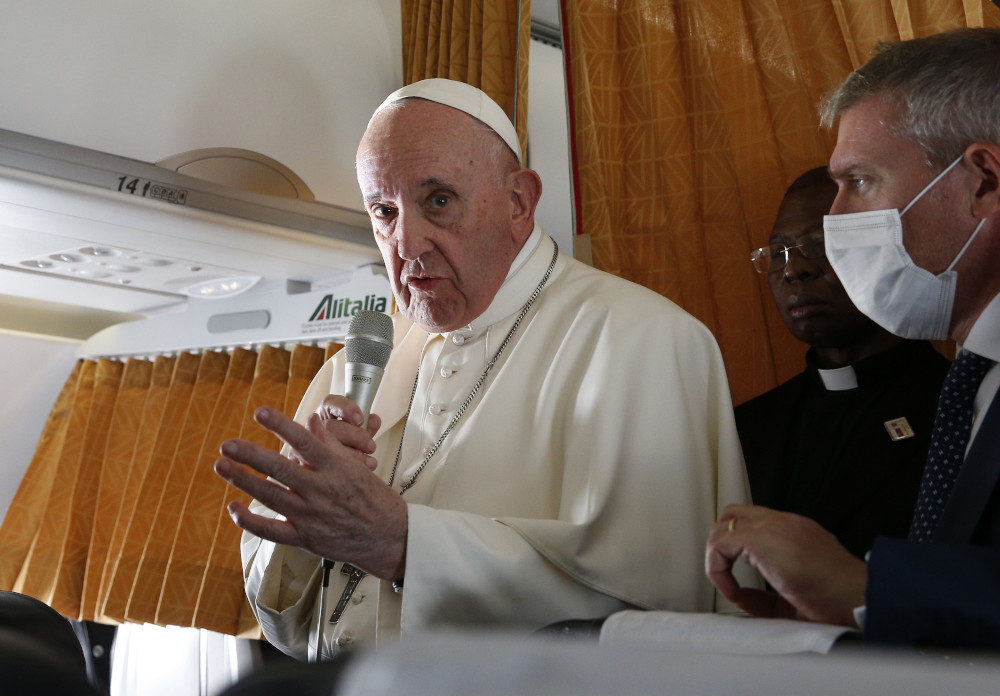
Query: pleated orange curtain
{"type": "Point", "coordinates": [120, 516]}
{"type": "Point", "coordinates": [481, 42]}
{"type": "Point", "coordinates": [689, 119]}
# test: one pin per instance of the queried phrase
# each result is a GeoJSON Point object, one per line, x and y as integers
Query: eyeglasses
{"type": "Point", "coordinates": [774, 257]}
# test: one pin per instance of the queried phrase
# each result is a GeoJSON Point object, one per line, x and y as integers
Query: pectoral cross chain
{"type": "Point", "coordinates": [355, 576]}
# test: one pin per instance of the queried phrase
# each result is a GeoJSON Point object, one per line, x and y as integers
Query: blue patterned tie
{"type": "Point", "coordinates": [952, 424]}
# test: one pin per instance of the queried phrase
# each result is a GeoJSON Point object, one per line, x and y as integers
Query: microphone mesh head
{"type": "Point", "coordinates": [369, 338]}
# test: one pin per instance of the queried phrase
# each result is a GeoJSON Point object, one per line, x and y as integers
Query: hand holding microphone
{"type": "Point", "coordinates": [367, 348]}
{"type": "Point", "coordinates": [318, 497]}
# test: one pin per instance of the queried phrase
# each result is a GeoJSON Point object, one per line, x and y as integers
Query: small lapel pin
{"type": "Point", "coordinates": [899, 429]}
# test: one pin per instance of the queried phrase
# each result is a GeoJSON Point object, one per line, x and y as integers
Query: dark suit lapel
{"type": "Point", "coordinates": [857, 478]}
{"type": "Point", "coordinates": [975, 484]}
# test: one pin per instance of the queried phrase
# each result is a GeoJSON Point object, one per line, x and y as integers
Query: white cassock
{"type": "Point", "coordinates": [581, 481]}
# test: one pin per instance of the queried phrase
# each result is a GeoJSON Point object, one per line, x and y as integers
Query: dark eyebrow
{"type": "Point", "coordinates": [843, 172]}
{"type": "Point", "coordinates": [781, 239]}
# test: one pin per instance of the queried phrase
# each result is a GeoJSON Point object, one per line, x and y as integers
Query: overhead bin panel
{"type": "Point", "coordinates": [73, 215]}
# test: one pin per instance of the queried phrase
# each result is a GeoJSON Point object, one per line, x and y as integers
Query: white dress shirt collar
{"type": "Point", "coordinates": [984, 337]}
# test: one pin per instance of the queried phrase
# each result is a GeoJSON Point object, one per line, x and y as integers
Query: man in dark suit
{"type": "Point", "coordinates": [843, 442]}
{"type": "Point", "coordinates": [914, 236]}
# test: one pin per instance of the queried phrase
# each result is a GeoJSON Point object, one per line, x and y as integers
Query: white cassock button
{"type": "Point", "coordinates": [447, 372]}
{"type": "Point", "coordinates": [458, 339]}
{"type": "Point", "coordinates": [435, 409]}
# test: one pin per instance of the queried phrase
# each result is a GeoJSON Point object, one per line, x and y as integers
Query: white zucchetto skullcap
{"type": "Point", "coordinates": [464, 97]}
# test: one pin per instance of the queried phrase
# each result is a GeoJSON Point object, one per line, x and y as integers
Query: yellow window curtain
{"type": "Point", "coordinates": [31, 501]}
{"type": "Point", "coordinates": [481, 42]}
{"type": "Point", "coordinates": [120, 516]}
{"type": "Point", "coordinates": [688, 121]}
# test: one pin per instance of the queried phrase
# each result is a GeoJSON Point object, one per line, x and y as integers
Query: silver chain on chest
{"type": "Point", "coordinates": [475, 390]}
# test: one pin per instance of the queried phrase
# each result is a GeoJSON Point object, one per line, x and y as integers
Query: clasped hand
{"type": "Point", "coordinates": [332, 503]}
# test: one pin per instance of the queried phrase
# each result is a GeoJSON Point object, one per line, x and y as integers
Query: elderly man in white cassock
{"type": "Point", "coordinates": [551, 442]}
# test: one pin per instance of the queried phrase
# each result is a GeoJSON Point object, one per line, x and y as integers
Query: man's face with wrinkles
{"type": "Point", "coordinates": [440, 210]}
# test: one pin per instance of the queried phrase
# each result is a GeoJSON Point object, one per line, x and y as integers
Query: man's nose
{"type": "Point", "coordinates": [414, 235]}
{"type": "Point", "coordinates": [839, 205]}
{"type": "Point", "coordinates": [799, 268]}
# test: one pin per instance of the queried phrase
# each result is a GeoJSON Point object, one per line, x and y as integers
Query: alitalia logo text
{"type": "Point", "coordinates": [331, 308]}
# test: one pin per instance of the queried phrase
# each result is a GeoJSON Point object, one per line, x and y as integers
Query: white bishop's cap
{"type": "Point", "coordinates": [463, 97]}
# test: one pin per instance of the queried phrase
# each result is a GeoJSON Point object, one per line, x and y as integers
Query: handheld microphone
{"type": "Point", "coordinates": [367, 345]}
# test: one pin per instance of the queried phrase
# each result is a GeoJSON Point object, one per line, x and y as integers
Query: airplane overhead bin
{"type": "Point", "coordinates": [209, 265]}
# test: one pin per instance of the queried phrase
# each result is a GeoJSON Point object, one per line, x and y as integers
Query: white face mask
{"type": "Point", "coordinates": [867, 254]}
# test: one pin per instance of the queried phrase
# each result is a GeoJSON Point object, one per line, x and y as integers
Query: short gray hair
{"type": "Point", "coordinates": [945, 90]}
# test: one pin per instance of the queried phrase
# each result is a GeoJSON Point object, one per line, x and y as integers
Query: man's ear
{"type": "Point", "coordinates": [525, 190]}
{"type": "Point", "coordinates": [984, 157]}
